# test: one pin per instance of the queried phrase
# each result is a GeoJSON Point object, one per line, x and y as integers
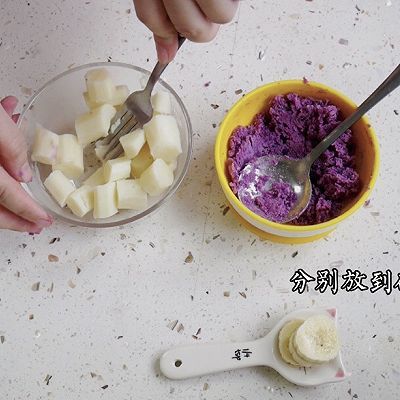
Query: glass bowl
{"type": "Point", "coordinates": [57, 104]}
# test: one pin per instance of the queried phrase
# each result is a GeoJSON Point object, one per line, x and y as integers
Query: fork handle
{"type": "Point", "coordinates": [159, 69]}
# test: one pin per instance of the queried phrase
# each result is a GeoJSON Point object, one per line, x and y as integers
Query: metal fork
{"type": "Point", "coordinates": [137, 111]}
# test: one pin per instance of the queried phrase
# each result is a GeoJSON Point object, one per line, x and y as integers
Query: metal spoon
{"type": "Point", "coordinates": [296, 172]}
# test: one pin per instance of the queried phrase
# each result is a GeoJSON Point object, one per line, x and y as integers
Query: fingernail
{"type": "Point", "coordinates": [25, 173]}
{"type": "Point", "coordinates": [15, 117]}
{"type": "Point", "coordinates": [44, 222]}
{"type": "Point", "coordinates": [9, 103]}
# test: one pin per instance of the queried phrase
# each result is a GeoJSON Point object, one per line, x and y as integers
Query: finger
{"type": "Point", "coordinates": [152, 13]}
{"type": "Point", "coordinates": [8, 220]}
{"type": "Point", "coordinates": [17, 200]}
{"type": "Point", "coordinates": [166, 48]}
{"type": "Point", "coordinates": [189, 20]}
{"type": "Point", "coordinates": [9, 104]}
{"type": "Point", "coordinates": [13, 150]}
{"type": "Point", "coordinates": [219, 11]}
{"type": "Point", "coordinates": [15, 118]}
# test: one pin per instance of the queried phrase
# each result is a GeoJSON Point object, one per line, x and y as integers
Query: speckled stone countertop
{"type": "Point", "coordinates": [85, 314]}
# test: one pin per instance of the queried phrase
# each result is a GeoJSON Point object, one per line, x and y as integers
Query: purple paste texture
{"type": "Point", "coordinates": [276, 202]}
{"type": "Point", "coordinates": [266, 197]}
{"type": "Point", "coordinates": [292, 126]}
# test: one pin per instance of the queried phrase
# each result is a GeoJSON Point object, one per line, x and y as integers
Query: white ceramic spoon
{"type": "Point", "coordinates": [196, 360]}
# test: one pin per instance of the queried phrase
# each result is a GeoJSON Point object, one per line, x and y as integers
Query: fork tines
{"type": "Point", "coordinates": [123, 123]}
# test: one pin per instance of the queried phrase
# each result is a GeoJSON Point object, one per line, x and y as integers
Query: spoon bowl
{"type": "Point", "coordinates": [276, 171]}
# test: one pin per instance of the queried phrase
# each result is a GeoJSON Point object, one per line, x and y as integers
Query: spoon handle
{"type": "Point", "coordinates": [196, 360]}
{"type": "Point", "coordinates": [390, 84]}
{"type": "Point", "coordinates": [159, 69]}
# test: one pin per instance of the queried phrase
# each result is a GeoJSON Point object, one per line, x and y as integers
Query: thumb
{"type": "Point", "coordinates": [13, 149]}
{"type": "Point", "coordinates": [166, 47]}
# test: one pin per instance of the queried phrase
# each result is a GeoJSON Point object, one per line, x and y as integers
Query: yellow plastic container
{"type": "Point", "coordinates": [243, 112]}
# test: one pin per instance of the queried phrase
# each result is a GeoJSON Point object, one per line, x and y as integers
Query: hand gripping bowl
{"type": "Point", "coordinates": [366, 153]}
{"type": "Point", "coordinates": [56, 105]}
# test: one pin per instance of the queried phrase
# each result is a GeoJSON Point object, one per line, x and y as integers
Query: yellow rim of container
{"type": "Point", "coordinates": [293, 228]}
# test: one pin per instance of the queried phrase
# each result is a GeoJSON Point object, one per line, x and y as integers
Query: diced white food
{"type": "Point", "coordinates": [141, 162]}
{"type": "Point", "coordinates": [105, 200]}
{"type": "Point", "coordinates": [163, 137]}
{"type": "Point", "coordinates": [44, 148]}
{"type": "Point", "coordinates": [119, 168]}
{"type": "Point", "coordinates": [120, 95]}
{"type": "Point", "coordinates": [69, 158]}
{"type": "Point", "coordinates": [130, 195]}
{"type": "Point", "coordinates": [156, 178]}
{"type": "Point", "coordinates": [59, 186]}
{"type": "Point", "coordinates": [100, 86]}
{"type": "Point", "coordinates": [97, 178]}
{"type": "Point", "coordinates": [94, 124]}
{"type": "Point", "coordinates": [90, 103]}
{"type": "Point", "coordinates": [100, 151]}
{"type": "Point", "coordinates": [120, 108]}
{"type": "Point", "coordinates": [80, 202]}
{"type": "Point", "coordinates": [115, 125]}
{"type": "Point", "coordinates": [161, 102]}
{"type": "Point", "coordinates": [133, 142]}
{"type": "Point", "coordinates": [173, 165]}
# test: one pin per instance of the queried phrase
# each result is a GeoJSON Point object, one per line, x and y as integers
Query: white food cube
{"type": "Point", "coordinates": [100, 86]}
{"type": "Point", "coordinates": [141, 162]}
{"type": "Point", "coordinates": [133, 142]}
{"type": "Point", "coordinates": [89, 102]}
{"type": "Point", "coordinates": [173, 165]}
{"type": "Point", "coordinates": [157, 178]}
{"type": "Point", "coordinates": [116, 123]}
{"type": "Point", "coordinates": [44, 148]}
{"type": "Point", "coordinates": [69, 158]}
{"type": "Point", "coordinates": [130, 195]}
{"type": "Point", "coordinates": [163, 137]}
{"type": "Point", "coordinates": [97, 178]}
{"type": "Point", "coordinates": [119, 168]}
{"type": "Point", "coordinates": [59, 186]}
{"type": "Point", "coordinates": [80, 202]}
{"type": "Point", "coordinates": [94, 124]}
{"type": "Point", "coordinates": [161, 102]}
{"type": "Point", "coordinates": [100, 151]}
{"type": "Point", "coordinates": [120, 95]}
{"type": "Point", "coordinates": [105, 200]}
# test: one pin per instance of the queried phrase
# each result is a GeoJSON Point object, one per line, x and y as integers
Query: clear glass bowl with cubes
{"type": "Point", "coordinates": [65, 117]}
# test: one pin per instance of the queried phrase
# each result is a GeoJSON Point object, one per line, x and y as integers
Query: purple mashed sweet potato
{"type": "Point", "coordinates": [292, 126]}
{"type": "Point", "coordinates": [266, 197]}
